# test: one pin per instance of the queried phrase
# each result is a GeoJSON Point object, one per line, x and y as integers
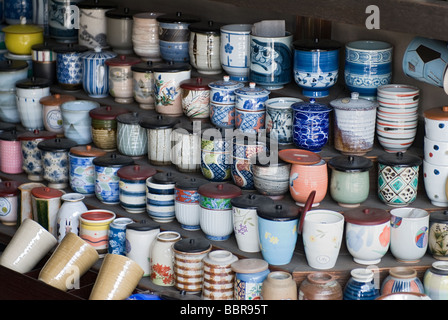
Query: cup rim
{"type": "Point", "coordinates": [405, 211]}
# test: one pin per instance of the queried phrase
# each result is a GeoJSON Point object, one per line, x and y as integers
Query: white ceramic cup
{"type": "Point", "coordinates": [28, 246]}
{"type": "Point", "coordinates": [409, 233]}
{"type": "Point", "coordinates": [322, 237]}
{"type": "Point", "coordinates": [435, 178]}
{"type": "Point", "coordinates": [435, 152]}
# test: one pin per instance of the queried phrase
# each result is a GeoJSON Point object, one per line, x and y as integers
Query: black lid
{"type": "Point", "coordinates": [316, 45]}
{"type": "Point", "coordinates": [129, 118]}
{"type": "Point", "coordinates": [158, 122]}
{"type": "Point", "coordinates": [42, 47]}
{"type": "Point", "coordinates": [57, 144]}
{"type": "Point", "coordinates": [190, 183]}
{"type": "Point", "coordinates": [190, 126]}
{"type": "Point", "coordinates": [165, 177]}
{"type": "Point", "coordinates": [12, 65]}
{"type": "Point", "coordinates": [171, 66]}
{"type": "Point", "coordinates": [96, 4]}
{"type": "Point", "coordinates": [278, 211]}
{"type": "Point", "coordinates": [142, 226]}
{"type": "Point", "coordinates": [350, 163]}
{"type": "Point", "coordinates": [399, 159]}
{"type": "Point", "coordinates": [11, 135]}
{"type": "Point", "coordinates": [33, 83]}
{"type": "Point", "coordinates": [192, 245]}
{"type": "Point", "coordinates": [146, 67]}
{"type": "Point", "coordinates": [4, 126]}
{"type": "Point", "coordinates": [439, 216]}
{"type": "Point", "coordinates": [250, 201]}
{"type": "Point", "coordinates": [178, 17]}
{"type": "Point", "coordinates": [124, 13]}
{"type": "Point", "coordinates": [70, 48]}
{"type": "Point", "coordinates": [113, 160]}
{"type": "Point", "coordinates": [206, 27]}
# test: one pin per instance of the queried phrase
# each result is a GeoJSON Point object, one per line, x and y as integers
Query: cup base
{"type": "Point", "coordinates": [315, 93]}
{"type": "Point", "coordinates": [276, 197]}
{"type": "Point", "coordinates": [349, 205]}
{"type": "Point", "coordinates": [190, 228]}
{"type": "Point", "coordinates": [12, 223]}
{"type": "Point", "coordinates": [239, 78]}
{"type": "Point", "coordinates": [58, 185]}
{"type": "Point", "coordinates": [408, 261]}
{"type": "Point", "coordinates": [217, 238]}
{"type": "Point", "coordinates": [366, 262]}
{"type": "Point", "coordinates": [442, 258]}
{"type": "Point", "coordinates": [124, 100]}
{"type": "Point", "coordinates": [439, 203]}
{"type": "Point", "coordinates": [273, 87]}
{"type": "Point", "coordinates": [112, 202]}
{"type": "Point", "coordinates": [316, 204]}
{"type": "Point", "coordinates": [35, 177]}
{"type": "Point", "coordinates": [146, 106]}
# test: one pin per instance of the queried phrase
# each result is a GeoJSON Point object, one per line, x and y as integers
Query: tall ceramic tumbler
{"type": "Point", "coordinates": [368, 64]}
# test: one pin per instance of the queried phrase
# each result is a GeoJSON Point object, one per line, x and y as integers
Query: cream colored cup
{"type": "Point", "coordinates": [117, 278]}
{"type": "Point", "coordinates": [28, 246]}
{"type": "Point", "coordinates": [70, 260]}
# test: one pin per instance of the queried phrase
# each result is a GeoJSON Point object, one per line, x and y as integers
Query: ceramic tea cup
{"type": "Point", "coordinates": [70, 260]}
{"type": "Point", "coordinates": [28, 246]}
{"type": "Point", "coordinates": [409, 233]}
{"type": "Point", "coordinates": [322, 232]}
{"type": "Point", "coordinates": [435, 178]}
{"type": "Point", "coordinates": [117, 278]}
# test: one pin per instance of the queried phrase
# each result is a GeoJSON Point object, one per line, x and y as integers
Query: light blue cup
{"type": "Point", "coordinates": [277, 229]}
{"type": "Point", "coordinates": [76, 120]}
{"type": "Point", "coordinates": [368, 65]}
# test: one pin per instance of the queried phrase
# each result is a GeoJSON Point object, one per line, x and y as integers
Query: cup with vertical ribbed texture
{"type": "Point", "coordinates": [70, 260]}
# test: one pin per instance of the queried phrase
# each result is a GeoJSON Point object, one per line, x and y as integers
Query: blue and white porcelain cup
{"type": "Point", "coordinates": [235, 51]}
{"type": "Point", "coordinates": [250, 108]}
{"type": "Point", "coordinates": [160, 196]}
{"type": "Point", "coordinates": [95, 79]}
{"type": "Point", "coordinates": [117, 236]}
{"type": "Point", "coordinates": [368, 65]}
{"type": "Point", "coordinates": [278, 120]}
{"type": "Point", "coordinates": [271, 61]}
{"type": "Point", "coordinates": [316, 66]}
{"type": "Point", "coordinates": [15, 9]}
{"type": "Point", "coordinates": [69, 66]}
{"type": "Point", "coordinates": [426, 60]}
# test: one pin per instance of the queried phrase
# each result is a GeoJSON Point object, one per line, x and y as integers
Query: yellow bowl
{"type": "Point", "coordinates": [21, 37]}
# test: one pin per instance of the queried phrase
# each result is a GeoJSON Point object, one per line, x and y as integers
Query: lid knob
{"type": "Point", "coordinates": [47, 189]}
{"type": "Point", "coordinates": [8, 184]}
{"type": "Point", "coordinates": [252, 85]}
{"type": "Point", "coordinates": [108, 108]}
{"type": "Point", "coordinates": [226, 78]}
{"type": "Point", "coordinates": [366, 211]}
{"type": "Point", "coordinates": [199, 80]}
{"type": "Point", "coordinates": [191, 241]}
{"type": "Point", "coordinates": [312, 100]}
{"type": "Point", "coordinates": [22, 20]}
{"type": "Point", "coordinates": [36, 131]}
{"type": "Point", "coordinates": [445, 212]}
{"type": "Point", "coordinates": [399, 155]}
{"type": "Point", "coordinates": [88, 147]}
{"type": "Point", "coordinates": [278, 207]}
{"type": "Point", "coordinates": [122, 57]}
{"type": "Point", "coordinates": [126, 10]}
{"type": "Point", "coordinates": [445, 108]}
{"type": "Point", "coordinates": [178, 14]}
{"type": "Point", "coordinates": [220, 186]}
{"type": "Point", "coordinates": [136, 167]}
{"type": "Point", "coordinates": [113, 156]}
{"type": "Point", "coordinates": [351, 159]}
{"type": "Point", "coordinates": [355, 95]}
{"type": "Point", "coordinates": [251, 196]}
{"type": "Point", "coordinates": [57, 95]}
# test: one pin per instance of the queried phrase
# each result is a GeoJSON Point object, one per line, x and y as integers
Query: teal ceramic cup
{"type": "Point", "coordinates": [277, 229]}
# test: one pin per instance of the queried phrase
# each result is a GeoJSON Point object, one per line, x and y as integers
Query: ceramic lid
{"type": "Point", "coordinates": [98, 54]}
{"type": "Point", "coordinates": [107, 112]}
{"type": "Point", "coordinates": [171, 67]}
{"type": "Point", "coordinates": [249, 265]}
{"type": "Point", "coordinates": [9, 135]}
{"type": "Point", "coordinates": [87, 151]}
{"type": "Point", "coordinates": [158, 122]}
{"type": "Point", "coordinates": [399, 159]}
{"type": "Point", "coordinates": [209, 27]}
{"type": "Point", "coordinates": [299, 156]}
{"type": "Point", "coordinates": [113, 160]}
{"type": "Point", "coordinates": [350, 163]}
{"type": "Point", "coordinates": [165, 177]}
{"type": "Point", "coordinates": [193, 126]}
{"type": "Point", "coordinates": [145, 67]}
{"type": "Point", "coordinates": [22, 28]}
{"type": "Point", "coordinates": [71, 48]}
{"type": "Point", "coordinates": [136, 172]}
{"type": "Point", "coordinates": [250, 201]}
{"type": "Point", "coordinates": [316, 45]}
{"type": "Point", "coordinates": [56, 145]}
{"type": "Point", "coordinates": [198, 84]}
{"type": "Point", "coordinates": [36, 134]}
{"type": "Point", "coordinates": [7, 126]}
{"type": "Point", "coordinates": [252, 91]}
{"type": "Point", "coordinates": [12, 65]}
{"type": "Point", "coordinates": [226, 84]}
{"type": "Point", "coordinates": [311, 107]}
{"type": "Point", "coordinates": [439, 216]}
{"type": "Point", "coordinates": [123, 60]}
{"type": "Point", "coordinates": [42, 47]}
{"type": "Point", "coordinates": [96, 215]}
{"type": "Point", "coordinates": [438, 113]}
{"type": "Point", "coordinates": [141, 226]}
{"type": "Point", "coordinates": [46, 192]}
{"type": "Point", "coordinates": [95, 4]}
{"type": "Point", "coordinates": [178, 17]}
{"type": "Point", "coordinates": [278, 211]}
{"type": "Point", "coordinates": [124, 13]}
{"type": "Point", "coordinates": [354, 103]}
{"type": "Point", "coordinates": [56, 99]}
{"type": "Point", "coordinates": [33, 83]}
{"type": "Point", "coordinates": [192, 245]}
{"type": "Point", "coordinates": [190, 183]}
{"type": "Point", "coordinates": [129, 118]}
{"type": "Point", "coordinates": [9, 188]}
{"type": "Point", "coordinates": [220, 190]}
{"type": "Point", "coordinates": [366, 216]}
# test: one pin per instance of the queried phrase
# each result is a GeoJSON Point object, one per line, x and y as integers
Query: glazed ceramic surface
{"type": "Point", "coordinates": [9, 203]}
{"type": "Point", "coordinates": [160, 195]}
{"type": "Point", "coordinates": [28, 94]}
{"type": "Point", "coordinates": [279, 118]}
{"type": "Point", "coordinates": [438, 235]}
{"type": "Point", "coordinates": [68, 214]}
{"type": "Point", "coordinates": [271, 61]}
{"type": "Point", "coordinates": [69, 69]}
{"type": "Point", "coordinates": [30, 243]}
{"type": "Point", "coordinates": [402, 279]}
{"type": "Point", "coordinates": [145, 35]}
{"type": "Point", "coordinates": [46, 203]}
{"type": "Point", "coordinates": [92, 23]}
{"type": "Point", "coordinates": [272, 179]}
{"type": "Point", "coordinates": [162, 258]}
{"type": "Point", "coordinates": [361, 285]}
{"type": "Point", "coordinates": [279, 285]}
{"type": "Point", "coordinates": [14, 9]}
{"type": "Point", "coordinates": [204, 47]}
{"type": "Point", "coordinates": [94, 229]}
{"type": "Point", "coordinates": [435, 281]}
{"type": "Point", "coordinates": [218, 275]}
{"type": "Point", "coordinates": [76, 120]}
{"type": "Point", "coordinates": [249, 277]}
{"type": "Point", "coordinates": [143, 84]}
{"type": "Point", "coordinates": [11, 159]}
{"type": "Point", "coordinates": [19, 38]}
{"type": "Point", "coordinates": [436, 123]}
{"type": "Point", "coordinates": [216, 159]}
{"type": "Point", "coordinates": [235, 50]}
{"type": "Point", "coordinates": [120, 78]}
{"type": "Point", "coordinates": [117, 236]}
{"type": "Point", "coordinates": [52, 112]}
{"type": "Point", "coordinates": [368, 64]}
{"type": "Point", "coordinates": [132, 139]}
{"type": "Point", "coordinates": [409, 233]}
{"type": "Point", "coordinates": [320, 286]}
{"type": "Point", "coordinates": [187, 208]}
{"type": "Point", "coordinates": [119, 25]}
{"type": "Point", "coordinates": [196, 98]}
{"type": "Point", "coordinates": [26, 206]}
{"type": "Point", "coordinates": [186, 147]}
{"type": "Point", "coordinates": [322, 237]}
